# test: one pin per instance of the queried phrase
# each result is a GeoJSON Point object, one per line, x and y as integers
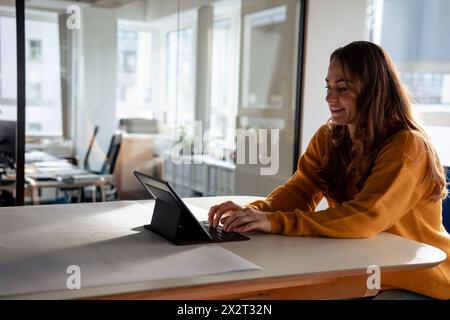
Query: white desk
{"type": "Point", "coordinates": [293, 267]}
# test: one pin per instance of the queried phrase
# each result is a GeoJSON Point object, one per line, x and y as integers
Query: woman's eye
{"type": "Point", "coordinates": [337, 89]}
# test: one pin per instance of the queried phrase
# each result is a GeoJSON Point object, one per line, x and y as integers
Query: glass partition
{"type": "Point", "coordinates": [268, 75]}
{"type": "Point", "coordinates": [8, 103]}
{"type": "Point", "coordinates": [416, 35]}
{"type": "Point", "coordinates": [162, 87]}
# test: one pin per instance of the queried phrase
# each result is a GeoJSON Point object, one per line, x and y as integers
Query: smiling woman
{"type": "Point", "coordinates": [340, 98]}
{"type": "Point", "coordinates": [374, 164]}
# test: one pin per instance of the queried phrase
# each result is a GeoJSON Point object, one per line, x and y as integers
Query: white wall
{"type": "Point", "coordinates": [330, 24]}
{"type": "Point", "coordinates": [97, 74]}
{"type": "Point", "coordinates": [97, 60]}
{"type": "Point", "coordinates": [132, 11]}
{"type": "Point", "coordinates": [160, 8]}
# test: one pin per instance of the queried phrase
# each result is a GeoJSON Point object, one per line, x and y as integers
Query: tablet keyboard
{"type": "Point", "coordinates": [218, 234]}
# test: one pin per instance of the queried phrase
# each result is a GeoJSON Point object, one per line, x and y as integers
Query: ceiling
{"type": "Point", "coordinates": [58, 4]}
{"type": "Point", "coordinates": [107, 3]}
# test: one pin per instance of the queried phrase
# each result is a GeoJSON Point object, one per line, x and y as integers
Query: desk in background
{"type": "Point", "coordinates": [58, 175]}
{"type": "Point", "coordinates": [293, 267]}
{"type": "Point", "coordinates": [94, 182]}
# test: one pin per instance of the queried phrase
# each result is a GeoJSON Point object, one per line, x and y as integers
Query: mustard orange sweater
{"type": "Point", "coordinates": [393, 199]}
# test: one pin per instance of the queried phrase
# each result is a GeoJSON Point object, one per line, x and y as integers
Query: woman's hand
{"type": "Point", "coordinates": [247, 219]}
{"type": "Point", "coordinates": [216, 212]}
{"type": "Point", "coordinates": [239, 219]}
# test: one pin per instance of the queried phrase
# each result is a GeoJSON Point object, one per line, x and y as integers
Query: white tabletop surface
{"type": "Point", "coordinates": [278, 255]}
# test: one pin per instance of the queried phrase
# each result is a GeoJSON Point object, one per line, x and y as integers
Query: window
{"type": "Point", "coordinates": [128, 59]}
{"type": "Point", "coordinates": [43, 77]}
{"type": "Point", "coordinates": [415, 34]}
{"type": "Point", "coordinates": [8, 85]}
{"type": "Point", "coordinates": [134, 87]}
{"type": "Point", "coordinates": [223, 112]}
{"type": "Point", "coordinates": [180, 77]}
{"type": "Point", "coordinates": [34, 90]}
{"type": "Point", "coordinates": [43, 80]}
{"type": "Point", "coordinates": [262, 87]}
{"type": "Point", "coordinates": [224, 75]}
{"type": "Point", "coordinates": [34, 50]}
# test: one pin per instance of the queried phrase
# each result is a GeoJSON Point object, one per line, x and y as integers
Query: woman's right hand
{"type": "Point", "coordinates": [217, 211]}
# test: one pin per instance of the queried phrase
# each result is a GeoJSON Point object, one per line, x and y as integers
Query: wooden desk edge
{"type": "Point", "coordinates": [335, 285]}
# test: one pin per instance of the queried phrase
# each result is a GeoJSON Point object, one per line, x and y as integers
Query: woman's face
{"type": "Point", "coordinates": [340, 98]}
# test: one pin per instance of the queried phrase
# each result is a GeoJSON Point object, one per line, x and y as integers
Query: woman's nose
{"type": "Point", "coordinates": [331, 96]}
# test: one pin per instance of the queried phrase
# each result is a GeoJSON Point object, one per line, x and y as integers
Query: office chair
{"type": "Point", "coordinates": [108, 164]}
{"type": "Point", "coordinates": [7, 199]}
{"type": "Point", "coordinates": [88, 152]}
{"type": "Point", "coordinates": [111, 156]}
{"type": "Point", "coordinates": [446, 206]}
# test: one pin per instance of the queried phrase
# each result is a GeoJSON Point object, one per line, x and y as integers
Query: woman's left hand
{"type": "Point", "coordinates": [247, 219]}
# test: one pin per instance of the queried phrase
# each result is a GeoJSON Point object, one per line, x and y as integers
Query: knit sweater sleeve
{"type": "Point", "coordinates": [394, 186]}
{"type": "Point", "coordinates": [301, 191]}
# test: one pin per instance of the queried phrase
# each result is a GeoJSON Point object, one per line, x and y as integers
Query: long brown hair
{"type": "Point", "coordinates": [384, 108]}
